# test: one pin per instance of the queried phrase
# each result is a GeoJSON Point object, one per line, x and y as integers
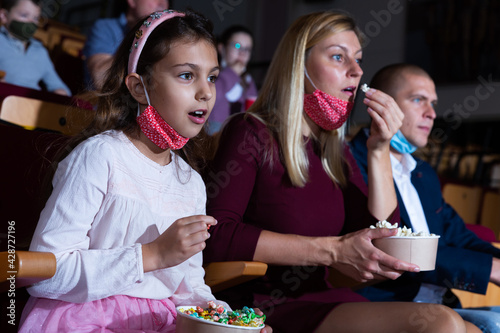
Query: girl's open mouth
{"type": "Point", "coordinates": [197, 113]}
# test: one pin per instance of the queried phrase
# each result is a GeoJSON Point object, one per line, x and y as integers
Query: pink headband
{"type": "Point", "coordinates": [141, 35]}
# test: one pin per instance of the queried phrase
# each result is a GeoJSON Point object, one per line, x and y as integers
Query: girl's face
{"type": "Point", "coordinates": [183, 85]}
{"type": "Point", "coordinates": [237, 51]}
{"type": "Point", "coordinates": [334, 65]}
{"type": "Point", "coordinates": [25, 11]}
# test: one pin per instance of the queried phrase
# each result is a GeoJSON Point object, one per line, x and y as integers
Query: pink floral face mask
{"type": "Point", "coordinates": [327, 111]}
{"type": "Point", "coordinates": [157, 129]}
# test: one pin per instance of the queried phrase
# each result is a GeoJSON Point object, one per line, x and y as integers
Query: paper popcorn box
{"type": "Point", "coordinates": [419, 250]}
{"type": "Point", "coordinates": [189, 324]}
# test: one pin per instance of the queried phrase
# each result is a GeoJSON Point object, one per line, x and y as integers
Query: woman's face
{"type": "Point", "coordinates": [334, 66]}
{"type": "Point", "coordinates": [237, 51]}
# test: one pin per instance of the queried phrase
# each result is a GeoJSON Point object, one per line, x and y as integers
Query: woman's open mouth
{"type": "Point", "coordinates": [349, 90]}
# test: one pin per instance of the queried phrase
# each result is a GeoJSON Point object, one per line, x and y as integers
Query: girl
{"type": "Point", "coordinates": [126, 216]}
{"type": "Point", "coordinates": [235, 85]}
{"type": "Point", "coordinates": [293, 186]}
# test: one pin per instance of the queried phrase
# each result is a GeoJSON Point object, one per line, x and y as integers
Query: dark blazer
{"type": "Point", "coordinates": [463, 261]}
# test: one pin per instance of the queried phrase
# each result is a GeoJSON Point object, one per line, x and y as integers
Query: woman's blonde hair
{"type": "Point", "coordinates": [281, 100]}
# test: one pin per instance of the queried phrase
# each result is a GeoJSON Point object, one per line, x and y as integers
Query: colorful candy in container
{"type": "Point", "coordinates": [216, 319]}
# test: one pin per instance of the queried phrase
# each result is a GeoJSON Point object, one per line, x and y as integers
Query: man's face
{"type": "Point", "coordinates": [416, 96]}
{"type": "Point", "coordinates": [142, 8]}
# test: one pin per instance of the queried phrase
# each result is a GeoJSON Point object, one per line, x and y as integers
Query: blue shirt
{"type": "Point", "coordinates": [27, 67]}
{"type": "Point", "coordinates": [105, 37]}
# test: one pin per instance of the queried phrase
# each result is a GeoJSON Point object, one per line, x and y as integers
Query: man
{"type": "Point", "coordinates": [463, 261]}
{"type": "Point", "coordinates": [107, 34]}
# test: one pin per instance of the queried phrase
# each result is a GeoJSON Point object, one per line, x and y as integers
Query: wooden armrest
{"type": "Point", "coordinates": [28, 267]}
{"type": "Point", "coordinates": [492, 297]}
{"type": "Point", "coordinates": [472, 300]}
{"type": "Point", "coordinates": [2, 74]}
{"type": "Point", "coordinates": [226, 274]}
{"type": "Point", "coordinates": [339, 280]}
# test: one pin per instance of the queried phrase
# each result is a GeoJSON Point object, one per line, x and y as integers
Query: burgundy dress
{"type": "Point", "coordinates": [247, 194]}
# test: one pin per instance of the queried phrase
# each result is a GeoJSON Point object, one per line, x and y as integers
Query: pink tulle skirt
{"type": "Point", "coordinates": [119, 314]}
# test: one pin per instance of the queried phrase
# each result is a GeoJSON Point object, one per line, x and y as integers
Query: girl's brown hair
{"type": "Point", "coordinates": [117, 109]}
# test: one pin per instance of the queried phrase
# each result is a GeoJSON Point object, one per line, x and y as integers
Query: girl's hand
{"type": "Point", "coordinates": [386, 116]}
{"type": "Point", "coordinates": [266, 329]}
{"type": "Point", "coordinates": [357, 257]}
{"type": "Point", "coordinates": [183, 239]}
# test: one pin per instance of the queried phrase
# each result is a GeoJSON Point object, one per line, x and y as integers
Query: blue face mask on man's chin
{"type": "Point", "coordinates": [401, 144]}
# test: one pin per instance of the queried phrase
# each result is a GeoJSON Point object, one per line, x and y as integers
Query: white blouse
{"type": "Point", "coordinates": [108, 199]}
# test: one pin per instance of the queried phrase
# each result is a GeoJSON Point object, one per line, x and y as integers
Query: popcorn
{"type": "Point", "coordinates": [402, 232]}
{"type": "Point", "coordinates": [384, 224]}
{"type": "Point", "coordinates": [364, 87]}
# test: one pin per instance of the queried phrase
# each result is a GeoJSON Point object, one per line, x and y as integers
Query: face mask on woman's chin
{"type": "Point", "coordinates": [327, 111]}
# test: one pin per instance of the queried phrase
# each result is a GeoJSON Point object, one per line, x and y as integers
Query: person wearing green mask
{"type": "Point", "coordinates": [24, 59]}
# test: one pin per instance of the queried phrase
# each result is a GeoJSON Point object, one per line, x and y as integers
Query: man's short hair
{"type": "Point", "coordinates": [388, 78]}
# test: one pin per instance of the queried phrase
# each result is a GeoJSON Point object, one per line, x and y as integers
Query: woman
{"type": "Point", "coordinates": [285, 191]}
{"type": "Point", "coordinates": [234, 85]}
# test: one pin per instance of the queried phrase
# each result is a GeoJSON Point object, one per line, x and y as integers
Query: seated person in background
{"type": "Point", "coordinates": [24, 59]}
{"type": "Point", "coordinates": [464, 261]}
{"type": "Point", "coordinates": [287, 192]}
{"type": "Point", "coordinates": [234, 85]}
{"type": "Point", "coordinates": [106, 35]}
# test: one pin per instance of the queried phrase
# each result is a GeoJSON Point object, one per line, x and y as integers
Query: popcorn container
{"type": "Point", "coordinates": [189, 324]}
{"type": "Point", "coordinates": [418, 250]}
